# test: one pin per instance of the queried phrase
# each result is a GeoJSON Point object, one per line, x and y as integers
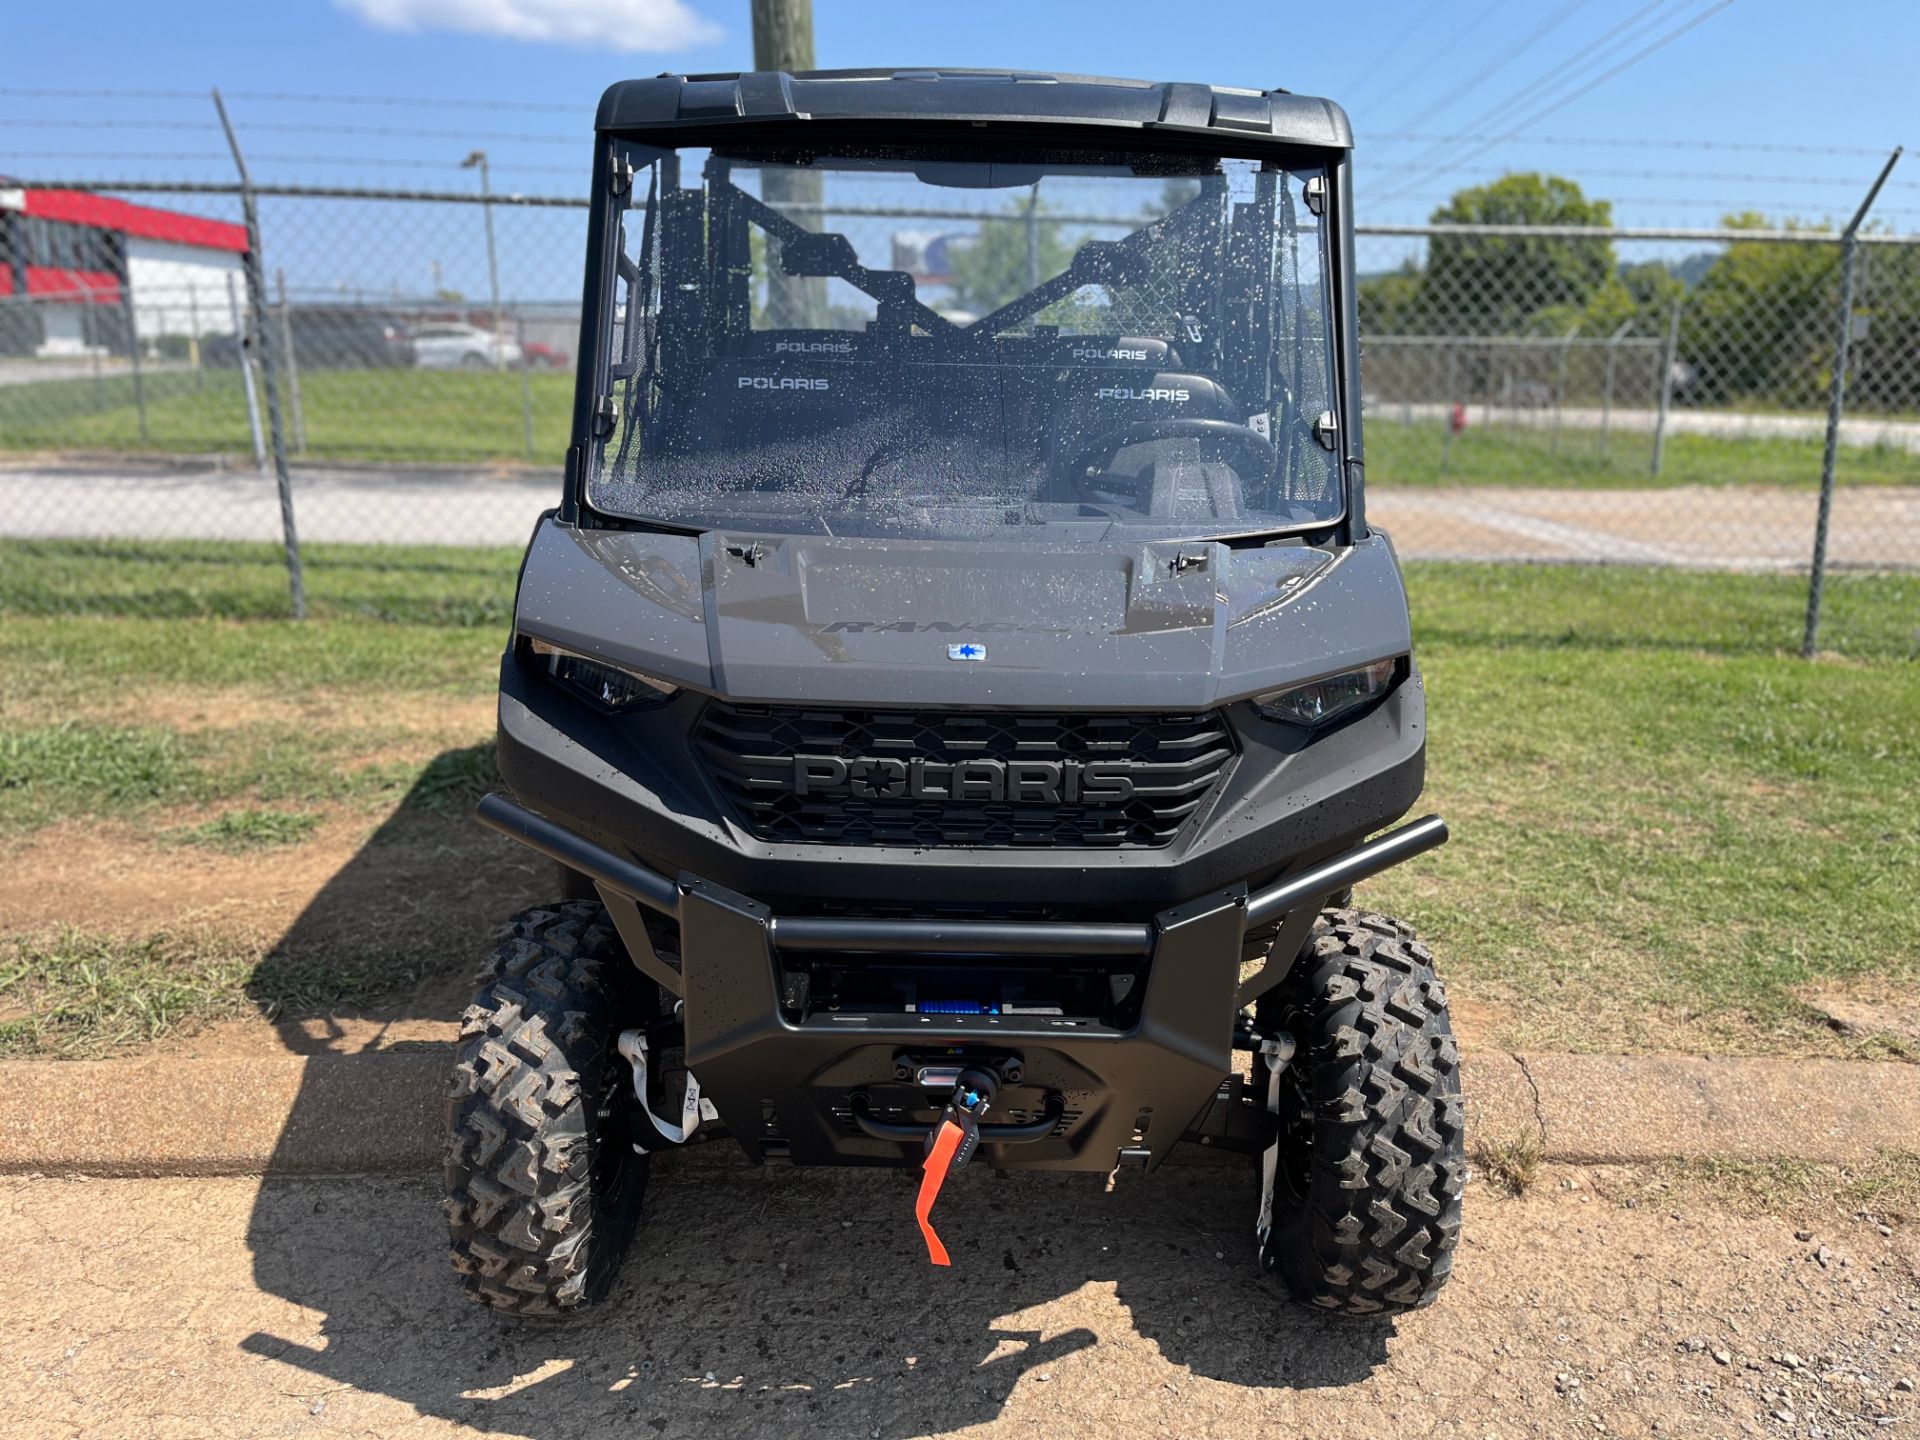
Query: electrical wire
{"type": "Point", "coordinates": [1587, 88]}
{"type": "Point", "coordinates": [1407, 31]}
{"type": "Point", "coordinates": [1497, 64]}
{"type": "Point", "coordinates": [1728, 177]}
{"type": "Point", "coordinates": [1458, 35]}
{"type": "Point", "coordinates": [1596, 52]}
{"type": "Point", "coordinates": [1630, 143]}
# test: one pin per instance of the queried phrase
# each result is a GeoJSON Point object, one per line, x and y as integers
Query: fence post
{"type": "Point", "coordinates": [526, 380]}
{"type": "Point", "coordinates": [1606, 388]}
{"type": "Point", "coordinates": [245, 363]}
{"type": "Point", "coordinates": [133, 358]}
{"type": "Point", "coordinates": [257, 302]}
{"type": "Point", "coordinates": [1836, 407]}
{"type": "Point", "coordinates": [1667, 359]}
{"type": "Point", "coordinates": [293, 366]}
{"type": "Point", "coordinates": [1446, 415]}
{"type": "Point", "coordinates": [1033, 237]}
{"type": "Point", "coordinates": [193, 335]}
{"type": "Point", "coordinates": [1560, 384]}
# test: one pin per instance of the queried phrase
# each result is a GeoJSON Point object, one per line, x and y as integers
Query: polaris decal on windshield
{"type": "Point", "coordinates": [813, 347]}
{"type": "Point", "coordinates": [781, 382]}
{"type": "Point", "coordinates": [1178, 396]}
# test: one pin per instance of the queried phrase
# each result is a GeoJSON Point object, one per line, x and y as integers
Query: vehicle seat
{"type": "Point", "coordinates": [1093, 403]}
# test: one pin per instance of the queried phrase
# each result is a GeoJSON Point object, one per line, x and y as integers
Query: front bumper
{"type": "Point", "coordinates": [814, 1085]}
{"type": "Point", "coordinates": [634, 785]}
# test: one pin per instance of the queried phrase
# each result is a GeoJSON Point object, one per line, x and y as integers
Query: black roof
{"type": "Point", "coordinates": [1015, 96]}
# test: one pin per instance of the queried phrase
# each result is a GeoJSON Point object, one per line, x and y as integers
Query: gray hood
{"type": "Point", "coordinates": [1161, 625]}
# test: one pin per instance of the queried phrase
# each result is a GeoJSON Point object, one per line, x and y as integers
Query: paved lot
{"type": "Point", "coordinates": [782, 1303]}
{"type": "Point", "coordinates": [1728, 424]}
{"type": "Point", "coordinates": [1735, 529]}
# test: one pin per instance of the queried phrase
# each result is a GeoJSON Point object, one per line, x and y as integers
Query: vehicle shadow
{"type": "Point", "coordinates": [764, 1300]}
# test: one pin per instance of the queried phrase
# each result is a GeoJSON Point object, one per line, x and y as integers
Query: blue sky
{"type": "Point", "coordinates": [1759, 72]}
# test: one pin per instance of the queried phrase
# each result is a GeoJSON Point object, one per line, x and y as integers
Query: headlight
{"type": "Point", "coordinates": [1319, 701]}
{"type": "Point", "coordinates": [612, 687]}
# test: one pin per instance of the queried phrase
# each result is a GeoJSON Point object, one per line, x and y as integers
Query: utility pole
{"type": "Point", "coordinates": [479, 158]}
{"type": "Point", "coordinates": [783, 40]}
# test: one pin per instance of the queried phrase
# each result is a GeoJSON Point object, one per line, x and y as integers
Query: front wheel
{"type": "Point", "coordinates": [1371, 1159]}
{"type": "Point", "coordinates": [543, 1184]}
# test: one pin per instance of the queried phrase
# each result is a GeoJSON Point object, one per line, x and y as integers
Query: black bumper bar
{"type": "Point", "coordinates": [959, 937]}
{"type": "Point", "coordinates": [824, 1087]}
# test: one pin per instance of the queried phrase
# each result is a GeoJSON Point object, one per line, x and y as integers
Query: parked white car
{"type": "Point", "coordinates": [450, 346]}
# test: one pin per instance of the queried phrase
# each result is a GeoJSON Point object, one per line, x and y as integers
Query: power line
{"type": "Point", "coordinates": [8, 122]}
{"type": "Point", "coordinates": [1567, 99]}
{"type": "Point", "coordinates": [283, 97]}
{"type": "Point", "coordinates": [1498, 63]}
{"type": "Point", "coordinates": [286, 97]}
{"type": "Point", "coordinates": [1625, 143]}
{"type": "Point", "coordinates": [1406, 32]}
{"type": "Point", "coordinates": [1729, 177]}
{"type": "Point", "coordinates": [407, 132]}
{"type": "Point", "coordinates": [1617, 37]}
{"type": "Point", "coordinates": [1458, 35]}
{"type": "Point", "coordinates": [35, 93]}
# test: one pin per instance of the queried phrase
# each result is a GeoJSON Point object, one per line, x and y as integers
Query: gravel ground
{"type": "Point", "coordinates": [783, 1303]}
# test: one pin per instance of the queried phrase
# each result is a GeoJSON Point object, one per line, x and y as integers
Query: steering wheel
{"type": "Point", "coordinates": [1257, 451]}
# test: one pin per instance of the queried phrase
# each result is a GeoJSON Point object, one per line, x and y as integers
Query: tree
{"type": "Point", "coordinates": [1497, 284]}
{"type": "Point", "coordinates": [1760, 322]}
{"type": "Point", "coordinates": [990, 269]}
{"type": "Point", "coordinates": [1391, 303]}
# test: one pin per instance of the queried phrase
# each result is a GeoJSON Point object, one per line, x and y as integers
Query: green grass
{"type": "Point", "coordinates": [1665, 822]}
{"type": "Point", "coordinates": [70, 994]}
{"type": "Point", "coordinates": [1884, 1187]}
{"type": "Point", "coordinates": [420, 415]}
{"type": "Point", "coordinates": [92, 628]}
{"type": "Point", "coordinates": [454, 416]}
{"type": "Point", "coordinates": [1411, 454]}
{"type": "Point", "coordinates": [240, 831]}
{"type": "Point", "coordinates": [224, 580]}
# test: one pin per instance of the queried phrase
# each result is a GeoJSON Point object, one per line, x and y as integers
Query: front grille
{"type": "Point", "coordinates": [1171, 762]}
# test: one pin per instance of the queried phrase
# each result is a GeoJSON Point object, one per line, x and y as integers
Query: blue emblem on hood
{"type": "Point", "coordinates": [967, 650]}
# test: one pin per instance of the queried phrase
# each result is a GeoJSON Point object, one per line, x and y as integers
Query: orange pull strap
{"type": "Point", "coordinates": [939, 1160]}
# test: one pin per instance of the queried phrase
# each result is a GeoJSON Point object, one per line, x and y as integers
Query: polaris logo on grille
{"type": "Point", "coordinates": [813, 347]}
{"type": "Point", "coordinates": [781, 382]}
{"type": "Point", "coordinates": [1178, 395]}
{"type": "Point", "coordinates": [1040, 782]}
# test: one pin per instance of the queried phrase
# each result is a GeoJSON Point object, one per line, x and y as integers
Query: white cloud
{"type": "Point", "coordinates": [621, 24]}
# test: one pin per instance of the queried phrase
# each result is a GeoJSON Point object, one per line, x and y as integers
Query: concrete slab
{"type": "Point", "coordinates": [1604, 1108]}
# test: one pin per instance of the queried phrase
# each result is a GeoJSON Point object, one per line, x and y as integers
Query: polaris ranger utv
{"type": "Point", "coordinates": [959, 682]}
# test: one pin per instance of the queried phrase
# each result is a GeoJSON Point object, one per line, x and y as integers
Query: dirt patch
{"type": "Point", "coordinates": [1870, 1010]}
{"type": "Point", "coordinates": [417, 894]}
{"type": "Point", "coordinates": [191, 711]}
{"type": "Point", "coordinates": [235, 1308]}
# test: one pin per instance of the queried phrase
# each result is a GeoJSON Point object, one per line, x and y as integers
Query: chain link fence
{"type": "Point", "coordinates": [1658, 397]}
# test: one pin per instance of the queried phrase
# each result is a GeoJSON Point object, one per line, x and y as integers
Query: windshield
{"type": "Point", "coordinates": [1037, 347]}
